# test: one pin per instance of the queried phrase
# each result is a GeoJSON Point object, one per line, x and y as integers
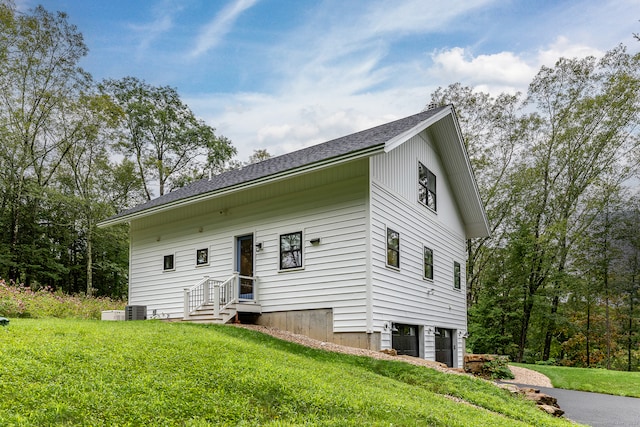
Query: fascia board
{"type": "Point", "coordinates": [473, 229]}
{"type": "Point", "coordinates": [398, 140]}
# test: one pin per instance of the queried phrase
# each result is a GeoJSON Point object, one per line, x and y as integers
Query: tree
{"type": "Point", "coordinates": [39, 83]}
{"type": "Point", "coordinates": [258, 156]}
{"type": "Point", "coordinates": [162, 136]}
{"type": "Point", "coordinates": [588, 110]}
{"type": "Point", "coordinates": [86, 165]}
{"type": "Point", "coordinates": [545, 170]}
{"type": "Point", "coordinates": [627, 278]}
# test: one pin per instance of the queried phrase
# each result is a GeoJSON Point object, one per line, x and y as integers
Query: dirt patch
{"type": "Point", "coordinates": [528, 377]}
{"type": "Point", "coordinates": [522, 375]}
{"type": "Point", "coordinates": [336, 348]}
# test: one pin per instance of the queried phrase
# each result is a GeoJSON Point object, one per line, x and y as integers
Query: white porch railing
{"type": "Point", "coordinates": [219, 293]}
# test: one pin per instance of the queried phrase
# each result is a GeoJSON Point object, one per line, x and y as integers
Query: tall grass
{"type": "Point", "coordinates": [80, 372]}
{"type": "Point", "coordinates": [21, 301]}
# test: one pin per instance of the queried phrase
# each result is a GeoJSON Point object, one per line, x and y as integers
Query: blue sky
{"type": "Point", "coordinates": [282, 75]}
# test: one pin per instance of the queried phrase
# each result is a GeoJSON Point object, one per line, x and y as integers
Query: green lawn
{"type": "Point", "coordinates": [85, 372]}
{"type": "Point", "coordinates": [619, 383]}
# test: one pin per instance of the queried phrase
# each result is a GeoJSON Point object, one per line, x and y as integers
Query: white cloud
{"type": "Point", "coordinates": [503, 69]}
{"type": "Point", "coordinates": [416, 16]}
{"type": "Point", "coordinates": [213, 32]}
{"type": "Point", "coordinates": [563, 48]}
{"type": "Point", "coordinates": [162, 23]}
{"type": "Point", "coordinates": [284, 123]}
{"type": "Point", "coordinates": [332, 78]}
{"type": "Point", "coordinates": [332, 75]}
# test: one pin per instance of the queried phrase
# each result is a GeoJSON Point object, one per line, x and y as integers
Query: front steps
{"type": "Point", "coordinates": [205, 313]}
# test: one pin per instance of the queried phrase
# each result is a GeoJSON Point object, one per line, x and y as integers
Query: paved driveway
{"type": "Point", "coordinates": [596, 409]}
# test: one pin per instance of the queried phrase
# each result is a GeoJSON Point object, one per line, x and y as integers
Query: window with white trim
{"type": "Point", "coordinates": [426, 187]}
{"type": "Point", "coordinates": [428, 263]}
{"type": "Point", "coordinates": [202, 256]}
{"type": "Point", "coordinates": [291, 250]}
{"type": "Point", "coordinates": [456, 275]}
{"type": "Point", "coordinates": [168, 262]}
{"type": "Point", "coordinates": [393, 248]}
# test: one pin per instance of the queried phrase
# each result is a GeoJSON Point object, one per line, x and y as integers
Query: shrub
{"type": "Point", "coordinates": [21, 301]}
{"type": "Point", "coordinates": [497, 369]}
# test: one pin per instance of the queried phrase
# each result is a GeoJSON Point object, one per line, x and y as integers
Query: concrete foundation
{"type": "Point", "coordinates": [318, 324]}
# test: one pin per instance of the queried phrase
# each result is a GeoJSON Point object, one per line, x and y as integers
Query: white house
{"type": "Point", "coordinates": [360, 241]}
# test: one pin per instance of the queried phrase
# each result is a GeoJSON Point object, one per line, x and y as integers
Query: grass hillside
{"type": "Point", "coordinates": [619, 383]}
{"type": "Point", "coordinates": [84, 372]}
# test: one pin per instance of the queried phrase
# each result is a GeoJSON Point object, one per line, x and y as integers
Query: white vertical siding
{"type": "Point", "coordinates": [330, 205]}
{"type": "Point", "coordinates": [403, 295]}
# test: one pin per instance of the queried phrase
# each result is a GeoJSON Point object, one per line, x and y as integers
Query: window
{"type": "Point", "coordinates": [168, 262]}
{"type": "Point", "coordinates": [426, 187]}
{"type": "Point", "coordinates": [393, 248]}
{"type": "Point", "coordinates": [291, 250]}
{"type": "Point", "coordinates": [456, 275]}
{"type": "Point", "coordinates": [428, 263]}
{"type": "Point", "coordinates": [202, 256]}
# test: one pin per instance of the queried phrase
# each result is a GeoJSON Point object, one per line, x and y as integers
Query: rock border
{"type": "Point", "coordinates": [547, 403]}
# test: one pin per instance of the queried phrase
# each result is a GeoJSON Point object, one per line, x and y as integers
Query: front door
{"type": "Point", "coordinates": [244, 265]}
{"type": "Point", "coordinates": [405, 340]}
{"type": "Point", "coordinates": [444, 346]}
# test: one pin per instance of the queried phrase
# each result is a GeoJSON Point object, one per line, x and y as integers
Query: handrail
{"type": "Point", "coordinates": [221, 293]}
{"type": "Point", "coordinates": [200, 283]}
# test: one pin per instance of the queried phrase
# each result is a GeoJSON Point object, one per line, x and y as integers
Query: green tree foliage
{"type": "Point", "coordinates": [39, 82]}
{"type": "Point", "coordinates": [59, 169]}
{"type": "Point", "coordinates": [549, 166]}
{"type": "Point", "coordinates": [162, 136]}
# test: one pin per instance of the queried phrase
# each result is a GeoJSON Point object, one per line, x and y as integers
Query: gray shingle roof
{"type": "Point", "coordinates": [350, 144]}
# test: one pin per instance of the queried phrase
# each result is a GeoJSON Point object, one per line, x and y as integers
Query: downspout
{"type": "Point", "coordinates": [130, 263]}
{"type": "Point", "coordinates": [368, 253]}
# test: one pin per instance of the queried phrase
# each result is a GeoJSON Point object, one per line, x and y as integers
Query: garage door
{"type": "Point", "coordinates": [444, 346]}
{"type": "Point", "coordinates": [405, 340]}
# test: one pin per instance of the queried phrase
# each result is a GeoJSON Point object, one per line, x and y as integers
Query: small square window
{"type": "Point", "coordinates": [428, 263]}
{"type": "Point", "coordinates": [291, 250]}
{"type": "Point", "coordinates": [168, 262]}
{"type": "Point", "coordinates": [393, 248]}
{"type": "Point", "coordinates": [202, 256]}
{"type": "Point", "coordinates": [426, 187]}
{"type": "Point", "coordinates": [456, 275]}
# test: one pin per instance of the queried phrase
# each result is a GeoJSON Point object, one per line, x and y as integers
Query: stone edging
{"type": "Point", "coordinates": [547, 403]}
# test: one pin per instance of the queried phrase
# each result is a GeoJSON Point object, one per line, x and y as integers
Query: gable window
{"type": "Point", "coordinates": [168, 262]}
{"type": "Point", "coordinates": [291, 250]}
{"type": "Point", "coordinates": [202, 256]}
{"type": "Point", "coordinates": [393, 248]}
{"type": "Point", "coordinates": [428, 263]}
{"type": "Point", "coordinates": [456, 275]}
{"type": "Point", "coordinates": [426, 187]}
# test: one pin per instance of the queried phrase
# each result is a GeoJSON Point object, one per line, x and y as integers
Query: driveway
{"type": "Point", "coordinates": [595, 409]}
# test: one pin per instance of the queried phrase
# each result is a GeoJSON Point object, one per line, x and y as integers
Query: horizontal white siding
{"type": "Point", "coordinates": [330, 205]}
{"type": "Point", "coordinates": [403, 295]}
{"type": "Point", "coordinates": [398, 172]}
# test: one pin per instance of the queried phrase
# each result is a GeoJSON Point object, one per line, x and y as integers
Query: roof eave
{"type": "Point", "coordinates": [403, 137]}
{"type": "Point", "coordinates": [479, 227]}
{"type": "Point", "coordinates": [369, 151]}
